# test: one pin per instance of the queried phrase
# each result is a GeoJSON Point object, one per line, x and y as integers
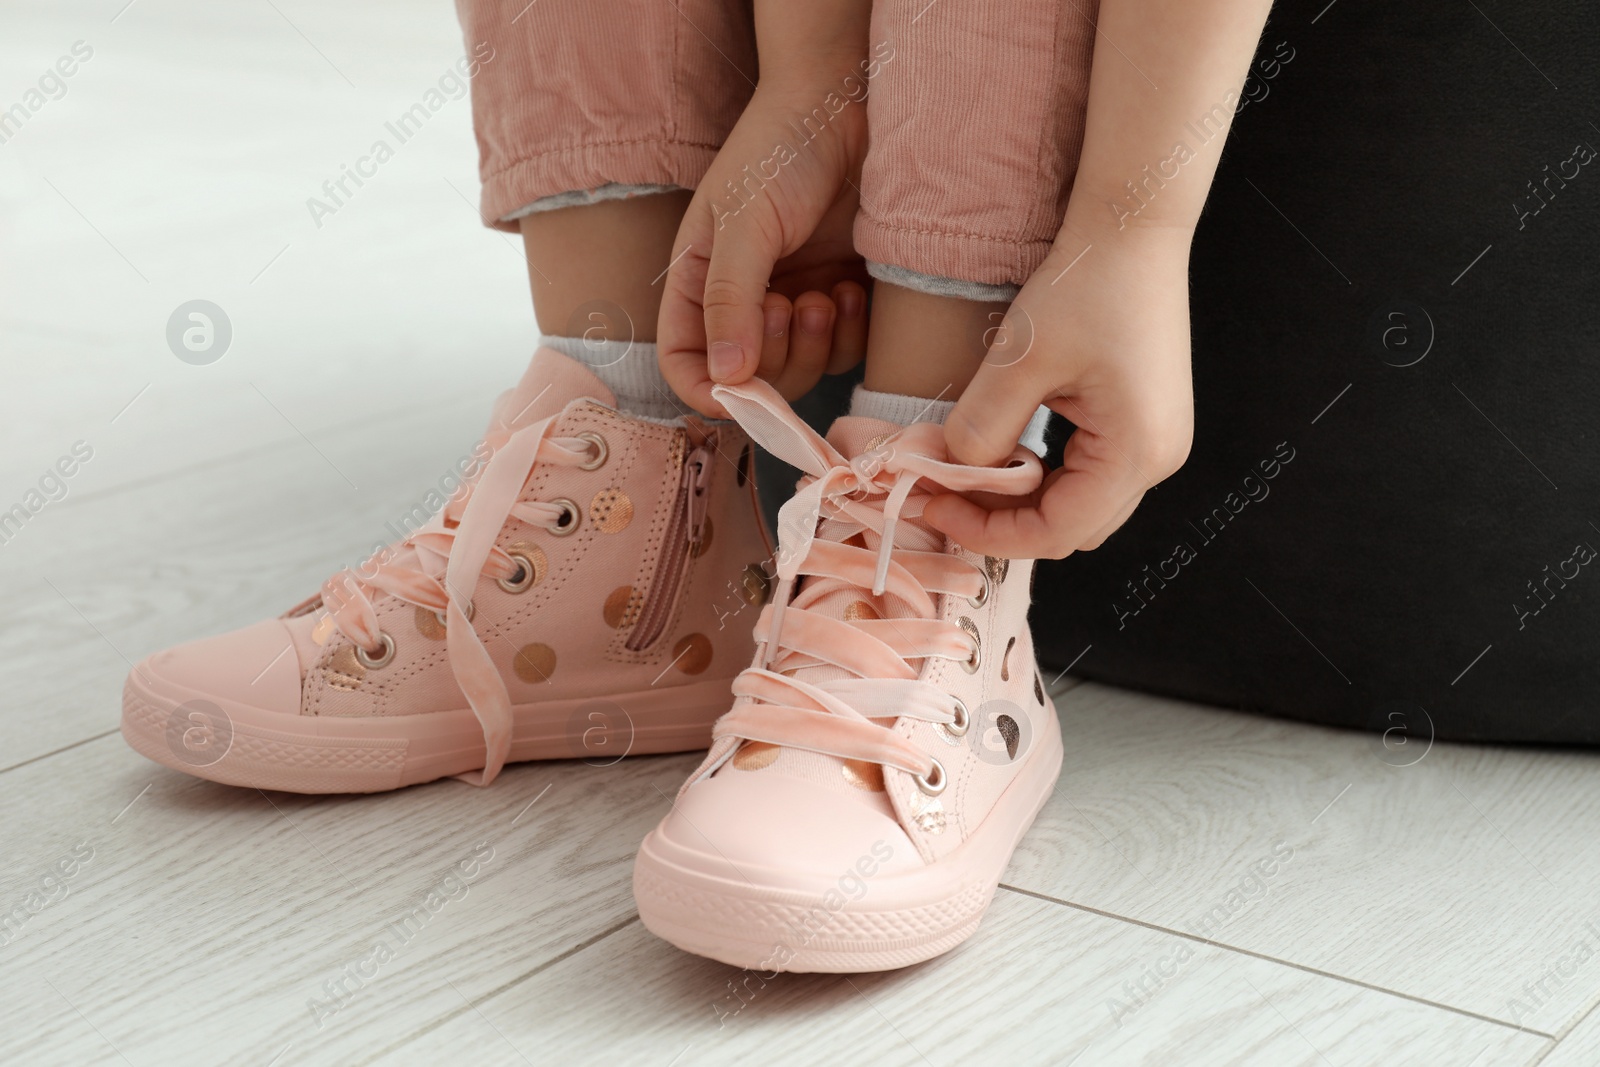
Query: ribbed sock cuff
{"type": "Point", "coordinates": [904, 410]}
{"type": "Point", "coordinates": [897, 408]}
{"type": "Point", "coordinates": [630, 371]}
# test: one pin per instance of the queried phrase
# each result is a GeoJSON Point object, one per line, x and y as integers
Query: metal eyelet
{"type": "Point", "coordinates": [371, 662]}
{"type": "Point", "coordinates": [982, 598]}
{"type": "Point", "coordinates": [970, 664]}
{"type": "Point", "coordinates": [601, 451]}
{"type": "Point", "coordinates": [574, 517]}
{"type": "Point", "coordinates": [443, 621]}
{"type": "Point", "coordinates": [957, 727]}
{"type": "Point", "coordinates": [933, 784]}
{"type": "Point", "coordinates": [522, 581]}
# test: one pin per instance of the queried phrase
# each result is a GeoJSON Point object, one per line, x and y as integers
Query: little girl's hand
{"type": "Point", "coordinates": [766, 279]}
{"type": "Point", "coordinates": [1104, 343]}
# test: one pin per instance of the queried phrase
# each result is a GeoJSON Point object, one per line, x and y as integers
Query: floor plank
{"type": "Point", "coordinates": [1039, 984]}
{"type": "Point", "coordinates": [365, 354]}
{"type": "Point", "coordinates": [207, 922]}
{"type": "Point", "coordinates": [1456, 879]}
{"type": "Point", "coordinates": [178, 165]}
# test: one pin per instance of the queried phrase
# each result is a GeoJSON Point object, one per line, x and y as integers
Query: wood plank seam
{"type": "Point", "coordinates": [472, 1005]}
{"type": "Point", "coordinates": [62, 749]}
{"type": "Point", "coordinates": [1562, 1034]}
{"type": "Point", "coordinates": [402, 414]}
{"type": "Point", "coordinates": [1283, 962]}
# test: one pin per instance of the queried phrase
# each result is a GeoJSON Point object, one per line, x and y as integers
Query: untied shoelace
{"type": "Point", "coordinates": [439, 566]}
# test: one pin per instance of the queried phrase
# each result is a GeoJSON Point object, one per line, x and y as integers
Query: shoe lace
{"type": "Point", "coordinates": [439, 566]}
{"type": "Point", "coordinates": [851, 525]}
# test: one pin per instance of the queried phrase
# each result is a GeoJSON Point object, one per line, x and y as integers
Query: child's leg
{"type": "Point", "coordinates": [596, 270]}
{"type": "Point", "coordinates": [966, 180]}
{"type": "Point", "coordinates": [924, 345]}
{"type": "Point", "coordinates": [594, 118]}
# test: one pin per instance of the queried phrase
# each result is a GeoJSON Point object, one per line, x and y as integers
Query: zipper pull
{"type": "Point", "coordinates": [697, 468]}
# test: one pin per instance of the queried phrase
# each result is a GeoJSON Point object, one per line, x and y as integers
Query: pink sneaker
{"type": "Point", "coordinates": [569, 602]}
{"type": "Point", "coordinates": [892, 741]}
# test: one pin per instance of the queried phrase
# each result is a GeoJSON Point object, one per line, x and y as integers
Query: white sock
{"type": "Point", "coordinates": [904, 410]}
{"type": "Point", "coordinates": [630, 371]}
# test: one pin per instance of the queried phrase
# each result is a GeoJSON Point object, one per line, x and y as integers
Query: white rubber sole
{"type": "Point", "coordinates": [240, 745]}
{"type": "Point", "coordinates": [901, 919]}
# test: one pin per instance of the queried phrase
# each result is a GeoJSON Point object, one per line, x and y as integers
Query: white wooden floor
{"type": "Point", "coordinates": [1206, 887]}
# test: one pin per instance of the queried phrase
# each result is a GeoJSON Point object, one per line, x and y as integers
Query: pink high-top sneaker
{"type": "Point", "coordinates": [569, 601]}
{"type": "Point", "coordinates": [891, 742]}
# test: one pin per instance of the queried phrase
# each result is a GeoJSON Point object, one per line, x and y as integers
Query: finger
{"type": "Point", "coordinates": [1093, 487]}
{"type": "Point", "coordinates": [680, 333]}
{"type": "Point", "coordinates": [810, 342]}
{"type": "Point", "coordinates": [986, 422]}
{"type": "Point", "coordinates": [775, 328]}
{"type": "Point", "coordinates": [849, 329]}
{"type": "Point", "coordinates": [736, 286]}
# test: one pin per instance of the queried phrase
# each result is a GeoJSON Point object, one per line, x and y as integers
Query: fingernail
{"type": "Point", "coordinates": [724, 360]}
{"type": "Point", "coordinates": [814, 320]}
{"type": "Point", "coordinates": [775, 320]}
{"type": "Point", "coordinates": [850, 301]}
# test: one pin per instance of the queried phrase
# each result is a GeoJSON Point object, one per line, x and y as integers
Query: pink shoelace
{"type": "Point", "coordinates": [439, 566]}
{"type": "Point", "coordinates": [869, 498]}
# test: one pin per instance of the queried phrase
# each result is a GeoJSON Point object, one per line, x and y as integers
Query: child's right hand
{"type": "Point", "coordinates": [1104, 341]}
{"type": "Point", "coordinates": [766, 280]}
{"type": "Point", "coordinates": [1105, 344]}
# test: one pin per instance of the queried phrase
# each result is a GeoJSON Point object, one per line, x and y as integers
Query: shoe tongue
{"type": "Point", "coordinates": [552, 381]}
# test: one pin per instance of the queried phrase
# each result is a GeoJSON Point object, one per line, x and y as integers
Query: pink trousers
{"type": "Point", "coordinates": [975, 111]}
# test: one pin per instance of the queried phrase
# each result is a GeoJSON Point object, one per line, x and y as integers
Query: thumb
{"type": "Point", "coordinates": [988, 420]}
{"type": "Point", "coordinates": [736, 284]}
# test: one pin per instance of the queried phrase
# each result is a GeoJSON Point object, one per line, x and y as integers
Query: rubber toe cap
{"type": "Point", "coordinates": [256, 666]}
{"type": "Point", "coordinates": [782, 831]}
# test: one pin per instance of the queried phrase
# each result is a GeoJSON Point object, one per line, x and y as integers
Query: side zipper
{"type": "Point", "coordinates": [684, 532]}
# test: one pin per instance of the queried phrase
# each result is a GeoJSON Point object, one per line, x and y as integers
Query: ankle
{"type": "Point", "coordinates": [924, 345]}
{"type": "Point", "coordinates": [594, 269]}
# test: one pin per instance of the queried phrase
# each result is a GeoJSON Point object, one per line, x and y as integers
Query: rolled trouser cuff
{"type": "Point", "coordinates": [977, 115]}
{"type": "Point", "coordinates": [588, 174]}
{"type": "Point", "coordinates": [583, 197]}
{"type": "Point", "coordinates": [575, 96]}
